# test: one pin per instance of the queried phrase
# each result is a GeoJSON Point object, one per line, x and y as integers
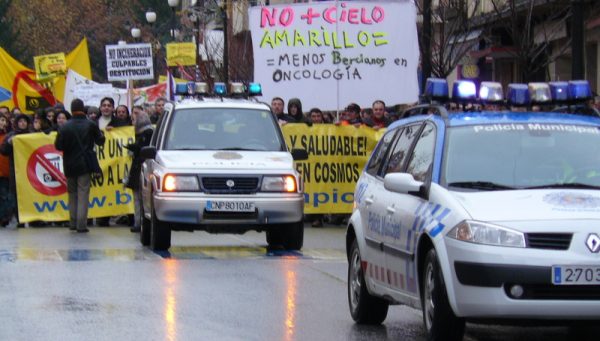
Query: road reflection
{"type": "Point", "coordinates": [170, 300]}
{"type": "Point", "coordinates": [290, 299]}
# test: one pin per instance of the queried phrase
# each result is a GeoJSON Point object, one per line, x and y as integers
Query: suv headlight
{"type": "Point", "coordinates": [280, 183]}
{"type": "Point", "coordinates": [180, 183]}
{"type": "Point", "coordinates": [488, 234]}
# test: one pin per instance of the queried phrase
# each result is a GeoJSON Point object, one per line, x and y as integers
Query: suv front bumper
{"type": "Point", "coordinates": [190, 209]}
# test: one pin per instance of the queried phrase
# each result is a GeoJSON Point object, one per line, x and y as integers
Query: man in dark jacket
{"type": "Point", "coordinates": [76, 138]}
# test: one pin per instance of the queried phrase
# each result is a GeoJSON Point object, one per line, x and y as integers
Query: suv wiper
{"type": "Point", "coordinates": [564, 185]}
{"type": "Point", "coordinates": [239, 148]}
{"type": "Point", "coordinates": [485, 185]}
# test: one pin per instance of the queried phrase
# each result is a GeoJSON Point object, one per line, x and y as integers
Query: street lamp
{"type": "Point", "coordinates": [136, 33]}
{"type": "Point", "coordinates": [151, 17]}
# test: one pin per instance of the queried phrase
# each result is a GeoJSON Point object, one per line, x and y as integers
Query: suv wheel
{"type": "Point", "coordinates": [440, 321]}
{"type": "Point", "coordinates": [160, 233]}
{"type": "Point", "coordinates": [364, 307]}
{"type": "Point", "coordinates": [290, 236]}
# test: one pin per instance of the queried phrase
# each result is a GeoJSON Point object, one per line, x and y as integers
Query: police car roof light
{"type": "Point", "coordinates": [559, 91]}
{"type": "Point", "coordinates": [181, 88]}
{"type": "Point", "coordinates": [464, 91]}
{"type": "Point", "coordinates": [436, 89]}
{"type": "Point", "coordinates": [254, 89]}
{"type": "Point", "coordinates": [518, 94]}
{"type": "Point", "coordinates": [539, 93]}
{"type": "Point", "coordinates": [491, 92]}
{"type": "Point", "coordinates": [220, 89]}
{"type": "Point", "coordinates": [579, 90]}
{"type": "Point", "coordinates": [201, 88]}
{"type": "Point", "coordinates": [237, 88]}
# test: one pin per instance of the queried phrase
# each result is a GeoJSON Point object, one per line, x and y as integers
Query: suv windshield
{"type": "Point", "coordinates": [223, 129]}
{"type": "Point", "coordinates": [522, 155]}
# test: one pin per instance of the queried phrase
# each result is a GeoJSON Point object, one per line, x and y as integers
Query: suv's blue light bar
{"type": "Point", "coordinates": [464, 91]}
{"type": "Point", "coordinates": [436, 89]}
{"type": "Point", "coordinates": [518, 94]}
{"type": "Point", "coordinates": [181, 88]}
{"type": "Point", "coordinates": [579, 90]}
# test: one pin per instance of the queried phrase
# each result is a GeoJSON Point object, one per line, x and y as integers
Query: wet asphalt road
{"type": "Point", "coordinates": [58, 285]}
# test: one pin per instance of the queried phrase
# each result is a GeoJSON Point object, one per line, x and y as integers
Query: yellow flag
{"type": "Point", "coordinates": [19, 88]}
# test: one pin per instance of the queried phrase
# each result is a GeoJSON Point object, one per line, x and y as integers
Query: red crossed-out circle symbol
{"type": "Point", "coordinates": [44, 171]}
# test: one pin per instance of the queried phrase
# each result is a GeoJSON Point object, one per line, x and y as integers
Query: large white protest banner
{"type": "Point", "coordinates": [90, 92]}
{"type": "Point", "coordinates": [129, 62]}
{"type": "Point", "coordinates": [329, 54]}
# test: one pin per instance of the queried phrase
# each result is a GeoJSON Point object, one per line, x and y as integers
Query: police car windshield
{"type": "Point", "coordinates": [522, 155]}
{"type": "Point", "coordinates": [223, 129]}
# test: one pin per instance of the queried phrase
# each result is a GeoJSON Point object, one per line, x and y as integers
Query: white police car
{"type": "Point", "coordinates": [220, 164]}
{"type": "Point", "coordinates": [470, 216]}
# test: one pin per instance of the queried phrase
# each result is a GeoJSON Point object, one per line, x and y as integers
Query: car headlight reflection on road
{"type": "Point", "coordinates": [488, 234]}
{"type": "Point", "coordinates": [179, 183]}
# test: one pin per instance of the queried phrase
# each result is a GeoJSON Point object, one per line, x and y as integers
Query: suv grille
{"type": "Point", "coordinates": [550, 241]}
{"type": "Point", "coordinates": [242, 185]}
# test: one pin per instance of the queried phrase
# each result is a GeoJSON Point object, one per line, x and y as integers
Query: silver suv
{"type": "Point", "coordinates": [221, 165]}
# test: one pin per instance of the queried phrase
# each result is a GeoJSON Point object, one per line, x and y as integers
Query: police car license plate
{"type": "Point", "coordinates": [230, 206]}
{"type": "Point", "coordinates": [575, 275]}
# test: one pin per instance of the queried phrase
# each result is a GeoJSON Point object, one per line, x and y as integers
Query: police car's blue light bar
{"type": "Point", "coordinates": [181, 88]}
{"type": "Point", "coordinates": [220, 89]}
{"type": "Point", "coordinates": [436, 89]}
{"type": "Point", "coordinates": [254, 89]}
{"type": "Point", "coordinates": [491, 92]}
{"type": "Point", "coordinates": [579, 90]}
{"type": "Point", "coordinates": [539, 93]}
{"type": "Point", "coordinates": [464, 91]}
{"type": "Point", "coordinates": [559, 91]}
{"type": "Point", "coordinates": [518, 94]}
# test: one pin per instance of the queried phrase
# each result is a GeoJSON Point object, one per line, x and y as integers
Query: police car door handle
{"type": "Point", "coordinates": [390, 209]}
{"type": "Point", "coordinates": [369, 201]}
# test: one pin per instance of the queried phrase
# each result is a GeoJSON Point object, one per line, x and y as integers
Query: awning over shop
{"type": "Point", "coordinates": [464, 37]}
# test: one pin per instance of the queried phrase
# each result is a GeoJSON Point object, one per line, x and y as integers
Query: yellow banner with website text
{"type": "Point", "coordinates": [42, 186]}
{"type": "Point", "coordinates": [336, 158]}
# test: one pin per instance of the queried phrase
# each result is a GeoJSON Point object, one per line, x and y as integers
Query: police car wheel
{"type": "Point", "coordinates": [364, 307]}
{"type": "Point", "coordinates": [440, 321]}
{"type": "Point", "coordinates": [144, 229]}
{"type": "Point", "coordinates": [160, 233]}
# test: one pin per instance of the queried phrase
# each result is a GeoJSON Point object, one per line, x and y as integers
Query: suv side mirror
{"type": "Point", "coordinates": [405, 183]}
{"type": "Point", "coordinates": [148, 152]}
{"type": "Point", "coordinates": [299, 154]}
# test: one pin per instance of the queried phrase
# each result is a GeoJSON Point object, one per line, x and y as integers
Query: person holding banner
{"type": "Point", "coordinates": [5, 196]}
{"type": "Point", "coordinates": [143, 134]}
{"type": "Point", "coordinates": [295, 114]}
{"type": "Point", "coordinates": [76, 138]}
{"type": "Point", "coordinates": [107, 108]}
{"type": "Point", "coordinates": [21, 126]}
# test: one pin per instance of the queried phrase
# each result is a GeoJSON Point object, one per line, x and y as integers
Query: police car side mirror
{"type": "Point", "coordinates": [403, 183]}
{"type": "Point", "coordinates": [299, 154]}
{"type": "Point", "coordinates": [148, 152]}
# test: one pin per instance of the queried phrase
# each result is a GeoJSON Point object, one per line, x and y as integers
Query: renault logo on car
{"type": "Point", "coordinates": [230, 183]}
{"type": "Point", "coordinates": [593, 242]}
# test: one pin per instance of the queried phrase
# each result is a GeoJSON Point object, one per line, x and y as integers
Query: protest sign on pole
{"type": "Point", "coordinates": [129, 61]}
{"type": "Point", "coordinates": [345, 51]}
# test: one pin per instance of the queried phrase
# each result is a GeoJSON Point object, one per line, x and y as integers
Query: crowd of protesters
{"type": "Point", "coordinates": [56, 118]}
{"type": "Point", "coordinates": [107, 116]}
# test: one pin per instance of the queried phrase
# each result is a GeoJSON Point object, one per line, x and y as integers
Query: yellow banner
{"type": "Point", "coordinates": [50, 65]}
{"type": "Point", "coordinates": [181, 54]}
{"type": "Point", "coordinates": [19, 87]}
{"type": "Point", "coordinates": [336, 158]}
{"type": "Point", "coordinates": [42, 187]}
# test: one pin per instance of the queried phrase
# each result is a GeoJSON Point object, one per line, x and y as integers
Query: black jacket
{"type": "Point", "coordinates": [79, 128]}
{"type": "Point", "coordinates": [141, 140]}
